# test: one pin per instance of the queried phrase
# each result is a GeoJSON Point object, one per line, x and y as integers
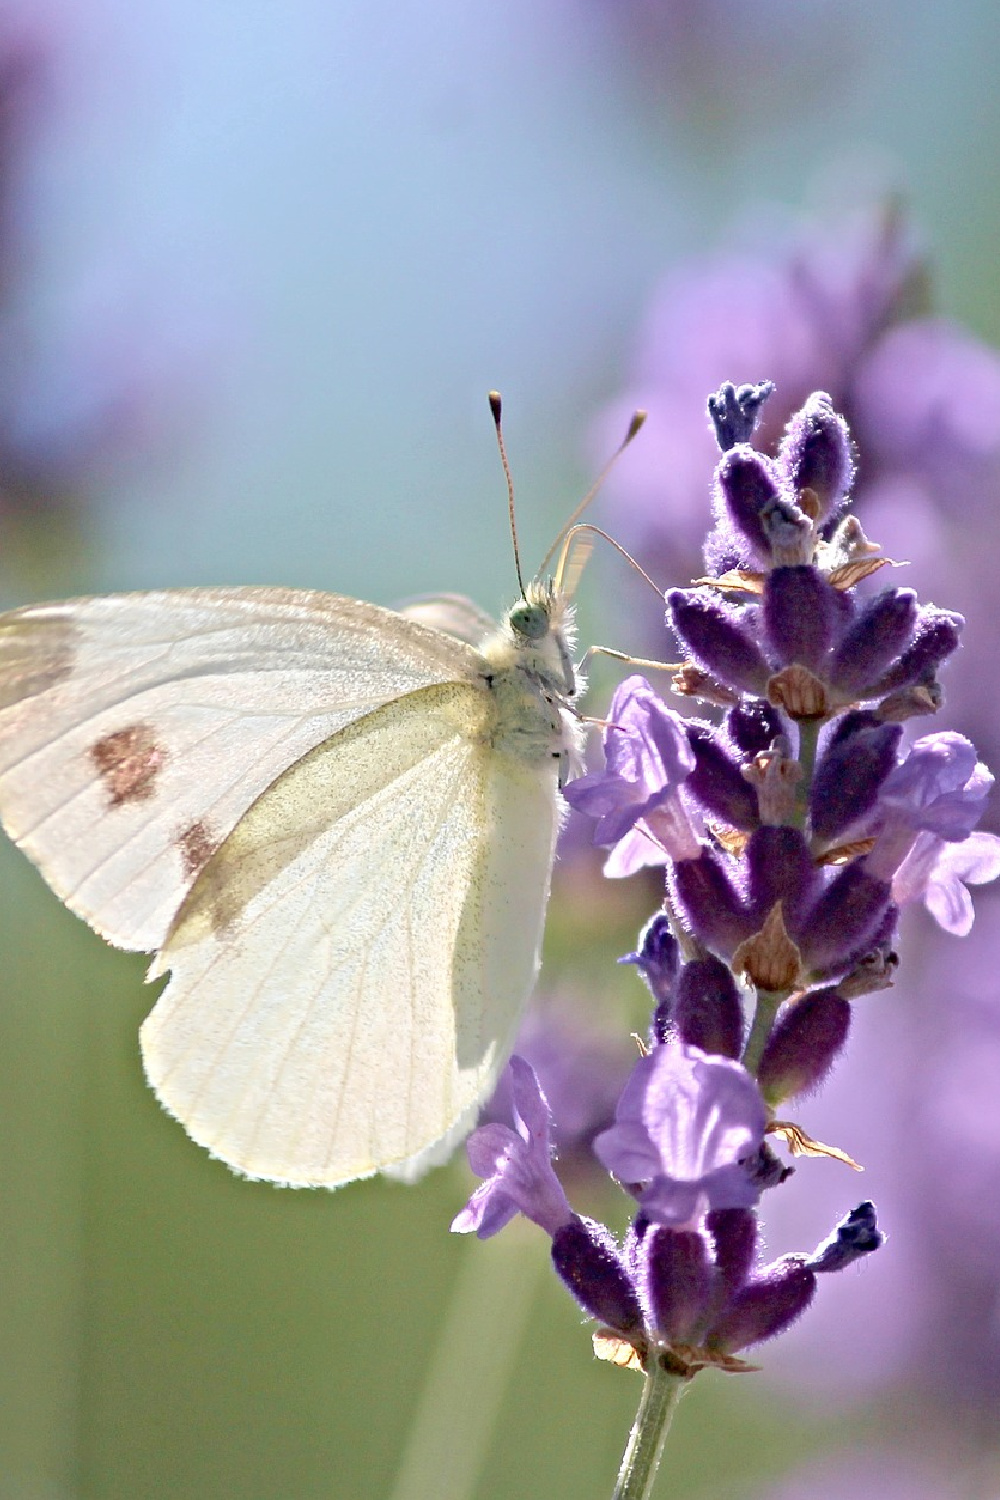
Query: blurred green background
{"type": "Point", "coordinates": [301, 241]}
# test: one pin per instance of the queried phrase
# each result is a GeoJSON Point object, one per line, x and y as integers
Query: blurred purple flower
{"type": "Point", "coordinates": [685, 1123]}
{"type": "Point", "coordinates": [862, 1472]}
{"type": "Point", "coordinates": [722, 70]}
{"type": "Point", "coordinates": [581, 1072]}
{"type": "Point", "coordinates": [74, 402]}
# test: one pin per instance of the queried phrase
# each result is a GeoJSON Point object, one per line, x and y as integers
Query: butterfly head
{"type": "Point", "coordinates": [534, 615]}
{"type": "Point", "coordinates": [540, 625]}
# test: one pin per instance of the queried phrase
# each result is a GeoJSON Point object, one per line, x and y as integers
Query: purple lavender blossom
{"type": "Point", "coordinates": [636, 798]}
{"type": "Point", "coordinates": [937, 793]}
{"type": "Point", "coordinates": [789, 834]}
{"type": "Point", "coordinates": [936, 873]}
{"type": "Point", "coordinates": [684, 1124]}
{"type": "Point", "coordinates": [517, 1165]}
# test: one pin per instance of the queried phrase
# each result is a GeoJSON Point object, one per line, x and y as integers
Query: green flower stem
{"type": "Point", "coordinates": [768, 1002]}
{"type": "Point", "coordinates": [660, 1393]}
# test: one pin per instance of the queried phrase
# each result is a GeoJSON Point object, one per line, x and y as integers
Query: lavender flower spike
{"type": "Point", "coordinates": [635, 799]}
{"type": "Point", "coordinates": [684, 1125]}
{"type": "Point", "coordinates": [517, 1166]}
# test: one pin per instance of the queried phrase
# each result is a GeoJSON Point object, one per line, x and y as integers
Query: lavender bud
{"type": "Point", "coordinates": [744, 484]}
{"type": "Point", "coordinates": [848, 777]}
{"type": "Point", "coordinates": [718, 782]}
{"type": "Point", "coordinates": [734, 1236]}
{"type": "Point", "coordinates": [717, 640]}
{"type": "Point", "coordinates": [880, 633]}
{"type": "Point", "coordinates": [806, 1040]}
{"type": "Point", "coordinates": [801, 611]}
{"type": "Point", "coordinates": [707, 1011]}
{"type": "Point", "coordinates": [753, 726]}
{"type": "Point", "coordinates": [815, 455]}
{"type": "Point", "coordinates": [657, 958]}
{"type": "Point", "coordinates": [588, 1260]}
{"type": "Point", "coordinates": [765, 1306]}
{"type": "Point", "coordinates": [674, 1277]}
{"type": "Point", "coordinates": [780, 868]}
{"type": "Point", "coordinates": [856, 1235]}
{"type": "Point", "coordinates": [709, 903]}
{"type": "Point", "coordinates": [734, 412]}
{"type": "Point", "coordinates": [844, 921]}
{"type": "Point", "coordinates": [936, 636]}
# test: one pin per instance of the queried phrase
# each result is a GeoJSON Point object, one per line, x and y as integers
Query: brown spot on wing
{"type": "Point", "coordinates": [129, 761]}
{"type": "Point", "coordinates": [196, 846]}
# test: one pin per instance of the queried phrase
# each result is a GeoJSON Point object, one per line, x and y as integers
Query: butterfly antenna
{"type": "Point", "coordinates": [567, 580]}
{"type": "Point", "coordinates": [496, 408]}
{"type": "Point", "coordinates": [634, 427]}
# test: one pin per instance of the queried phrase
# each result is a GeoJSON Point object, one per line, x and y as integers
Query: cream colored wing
{"type": "Point", "coordinates": [348, 970]}
{"type": "Point", "coordinates": [452, 613]}
{"type": "Point", "coordinates": [135, 730]}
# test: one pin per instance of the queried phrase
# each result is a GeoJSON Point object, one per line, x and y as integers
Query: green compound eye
{"type": "Point", "coordinates": [529, 620]}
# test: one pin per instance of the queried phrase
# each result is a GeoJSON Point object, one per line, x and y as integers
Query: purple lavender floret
{"type": "Point", "coordinates": [849, 777]}
{"type": "Point", "coordinates": [685, 1121]}
{"type": "Point", "coordinates": [517, 1165]}
{"type": "Point", "coordinates": [936, 873]}
{"type": "Point", "coordinates": [753, 726]}
{"type": "Point", "coordinates": [939, 788]}
{"type": "Point", "coordinates": [746, 484]}
{"type": "Point", "coordinates": [802, 612]}
{"type": "Point", "coordinates": [675, 1280]}
{"type": "Point", "coordinates": [936, 636]}
{"type": "Point", "coordinates": [807, 1038]}
{"type": "Point", "coordinates": [815, 455]}
{"type": "Point", "coordinates": [636, 799]}
{"type": "Point", "coordinates": [879, 635]}
{"type": "Point", "coordinates": [706, 1010]}
{"type": "Point", "coordinates": [765, 1306]}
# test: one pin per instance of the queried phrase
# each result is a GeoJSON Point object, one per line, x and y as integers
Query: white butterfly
{"type": "Point", "coordinates": [332, 823]}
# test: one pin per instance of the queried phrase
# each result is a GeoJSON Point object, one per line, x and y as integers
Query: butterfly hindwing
{"type": "Point", "coordinates": [349, 965]}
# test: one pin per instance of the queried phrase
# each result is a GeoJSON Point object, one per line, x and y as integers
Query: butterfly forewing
{"type": "Point", "coordinates": [320, 1025]}
{"type": "Point", "coordinates": [334, 824]}
{"type": "Point", "coordinates": [136, 730]}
